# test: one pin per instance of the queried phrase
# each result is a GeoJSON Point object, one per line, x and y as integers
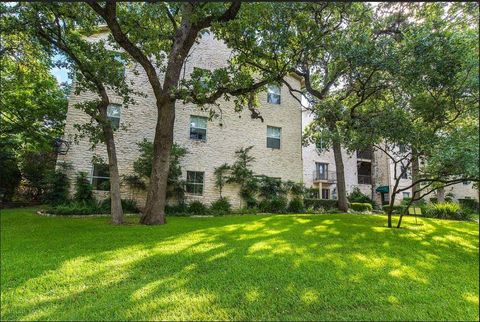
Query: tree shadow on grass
{"type": "Point", "coordinates": [268, 267]}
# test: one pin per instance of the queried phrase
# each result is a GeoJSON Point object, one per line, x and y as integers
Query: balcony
{"type": "Point", "coordinates": [365, 155]}
{"type": "Point", "coordinates": [328, 176]}
{"type": "Point", "coordinates": [364, 179]}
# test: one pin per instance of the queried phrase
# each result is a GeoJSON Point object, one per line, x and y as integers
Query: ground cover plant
{"type": "Point", "coordinates": [264, 267]}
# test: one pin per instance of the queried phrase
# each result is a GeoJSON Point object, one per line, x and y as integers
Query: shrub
{"type": "Point", "coordinates": [274, 205]}
{"type": "Point", "coordinates": [397, 209]}
{"type": "Point", "coordinates": [356, 196]}
{"type": "Point", "coordinates": [83, 188]}
{"type": "Point", "coordinates": [357, 206]}
{"type": "Point", "coordinates": [57, 188]}
{"type": "Point", "coordinates": [197, 208]}
{"type": "Point", "coordinates": [433, 200]}
{"type": "Point", "coordinates": [221, 207]}
{"type": "Point", "coordinates": [128, 205]}
{"type": "Point", "coordinates": [447, 210]}
{"type": "Point", "coordinates": [296, 206]}
{"type": "Point", "coordinates": [176, 210]}
{"type": "Point", "coordinates": [316, 204]}
{"type": "Point", "coordinates": [245, 211]}
{"type": "Point", "coordinates": [251, 202]}
{"type": "Point", "coordinates": [469, 204]}
{"type": "Point", "coordinates": [77, 208]}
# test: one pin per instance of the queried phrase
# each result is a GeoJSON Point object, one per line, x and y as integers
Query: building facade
{"type": "Point", "coordinates": [276, 141]}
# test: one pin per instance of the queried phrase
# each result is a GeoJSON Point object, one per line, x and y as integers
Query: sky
{"type": "Point", "coordinates": [61, 74]}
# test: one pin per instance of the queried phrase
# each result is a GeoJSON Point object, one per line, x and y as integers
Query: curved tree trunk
{"type": "Point", "coordinates": [115, 196]}
{"type": "Point", "coordinates": [415, 175]}
{"type": "Point", "coordinates": [154, 212]}
{"type": "Point", "coordinates": [341, 187]}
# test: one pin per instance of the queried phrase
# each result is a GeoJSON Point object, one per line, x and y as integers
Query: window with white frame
{"type": "Point", "coordinates": [273, 137]}
{"type": "Point", "coordinates": [194, 184]}
{"type": "Point", "coordinates": [406, 194]}
{"type": "Point", "coordinates": [198, 128]}
{"type": "Point", "coordinates": [100, 177]}
{"type": "Point", "coordinates": [273, 94]}
{"type": "Point", "coordinates": [113, 115]}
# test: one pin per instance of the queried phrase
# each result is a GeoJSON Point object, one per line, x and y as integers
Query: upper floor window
{"type": "Point", "coordinates": [194, 184]}
{"type": "Point", "coordinates": [100, 177]}
{"type": "Point", "coordinates": [113, 114]}
{"type": "Point", "coordinates": [273, 137]}
{"type": "Point", "coordinates": [273, 94]}
{"type": "Point", "coordinates": [122, 71]}
{"type": "Point", "coordinates": [198, 128]}
{"type": "Point", "coordinates": [406, 194]}
{"type": "Point", "coordinates": [402, 148]}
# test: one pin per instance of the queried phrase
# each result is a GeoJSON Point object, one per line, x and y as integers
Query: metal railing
{"type": "Point", "coordinates": [364, 179]}
{"type": "Point", "coordinates": [328, 176]}
{"type": "Point", "coordinates": [366, 154]}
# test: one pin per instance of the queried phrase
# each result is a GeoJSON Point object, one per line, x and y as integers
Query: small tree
{"type": "Point", "coordinates": [221, 177]}
{"type": "Point", "coordinates": [83, 188]}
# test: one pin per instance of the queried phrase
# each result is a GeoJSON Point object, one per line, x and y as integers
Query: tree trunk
{"type": "Point", "coordinates": [154, 213]}
{"type": "Point", "coordinates": [441, 195]}
{"type": "Point", "coordinates": [415, 175]}
{"type": "Point", "coordinates": [341, 189]}
{"type": "Point", "coordinates": [115, 196]}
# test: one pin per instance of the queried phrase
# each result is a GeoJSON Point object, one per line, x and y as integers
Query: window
{"type": "Point", "coordinates": [406, 194]}
{"type": "Point", "coordinates": [466, 183]}
{"type": "Point", "coordinates": [100, 177]}
{"type": "Point", "coordinates": [122, 71]}
{"type": "Point", "coordinates": [402, 148]}
{"type": "Point", "coordinates": [273, 137]}
{"type": "Point", "coordinates": [321, 171]}
{"type": "Point", "coordinates": [194, 183]}
{"type": "Point", "coordinates": [113, 114]}
{"type": "Point", "coordinates": [198, 128]}
{"type": "Point", "coordinates": [404, 173]}
{"type": "Point", "coordinates": [325, 194]}
{"type": "Point", "coordinates": [273, 94]}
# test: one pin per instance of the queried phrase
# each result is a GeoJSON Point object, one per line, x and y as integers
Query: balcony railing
{"type": "Point", "coordinates": [327, 176]}
{"type": "Point", "coordinates": [367, 155]}
{"type": "Point", "coordinates": [364, 179]}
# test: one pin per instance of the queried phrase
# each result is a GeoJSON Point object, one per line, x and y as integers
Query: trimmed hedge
{"type": "Point", "coordinates": [197, 208]}
{"type": "Point", "coordinates": [274, 205]}
{"type": "Point", "coordinates": [316, 204]}
{"type": "Point", "coordinates": [359, 206]}
{"type": "Point", "coordinates": [220, 207]}
{"type": "Point", "coordinates": [92, 207]}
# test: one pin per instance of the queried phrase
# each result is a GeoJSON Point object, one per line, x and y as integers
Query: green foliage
{"type": "Point", "coordinates": [180, 209]}
{"type": "Point", "coordinates": [197, 208]}
{"type": "Point", "coordinates": [274, 205]}
{"type": "Point", "coordinates": [35, 167]}
{"type": "Point", "coordinates": [397, 209]}
{"type": "Point", "coordinates": [142, 168]}
{"type": "Point", "coordinates": [447, 210]}
{"type": "Point", "coordinates": [10, 175]}
{"type": "Point", "coordinates": [469, 205]}
{"type": "Point", "coordinates": [270, 187]}
{"type": "Point", "coordinates": [128, 205]}
{"type": "Point", "coordinates": [364, 207]}
{"type": "Point", "coordinates": [296, 206]}
{"type": "Point", "coordinates": [221, 177]}
{"type": "Point", "coordinates": [356, 196]}
{"type": "Point", "coordinates": [77, 208]}
{"type": "Point", "coordinates": [317, 204]}
{"type": "Point", "coordinates": [57, 187]}
{"type": "Point", "coordinates": [83, 188]}
{"type": "Point", "coordinates": [220, 207]}
{"type": "Point", "coordinates": [241, 173]}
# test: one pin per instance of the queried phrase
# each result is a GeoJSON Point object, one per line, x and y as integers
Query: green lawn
{"type": "Point", "coordinates": [284, 267]}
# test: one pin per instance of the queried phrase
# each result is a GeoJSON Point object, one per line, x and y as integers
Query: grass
{"type": "Point", "coordinates": [283, 267]}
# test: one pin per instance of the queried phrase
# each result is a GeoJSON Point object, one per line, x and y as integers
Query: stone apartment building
{"type": "Point", "coordinates": [210, 143]}
{"type": "Point", "coordinates": [276, 142]}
